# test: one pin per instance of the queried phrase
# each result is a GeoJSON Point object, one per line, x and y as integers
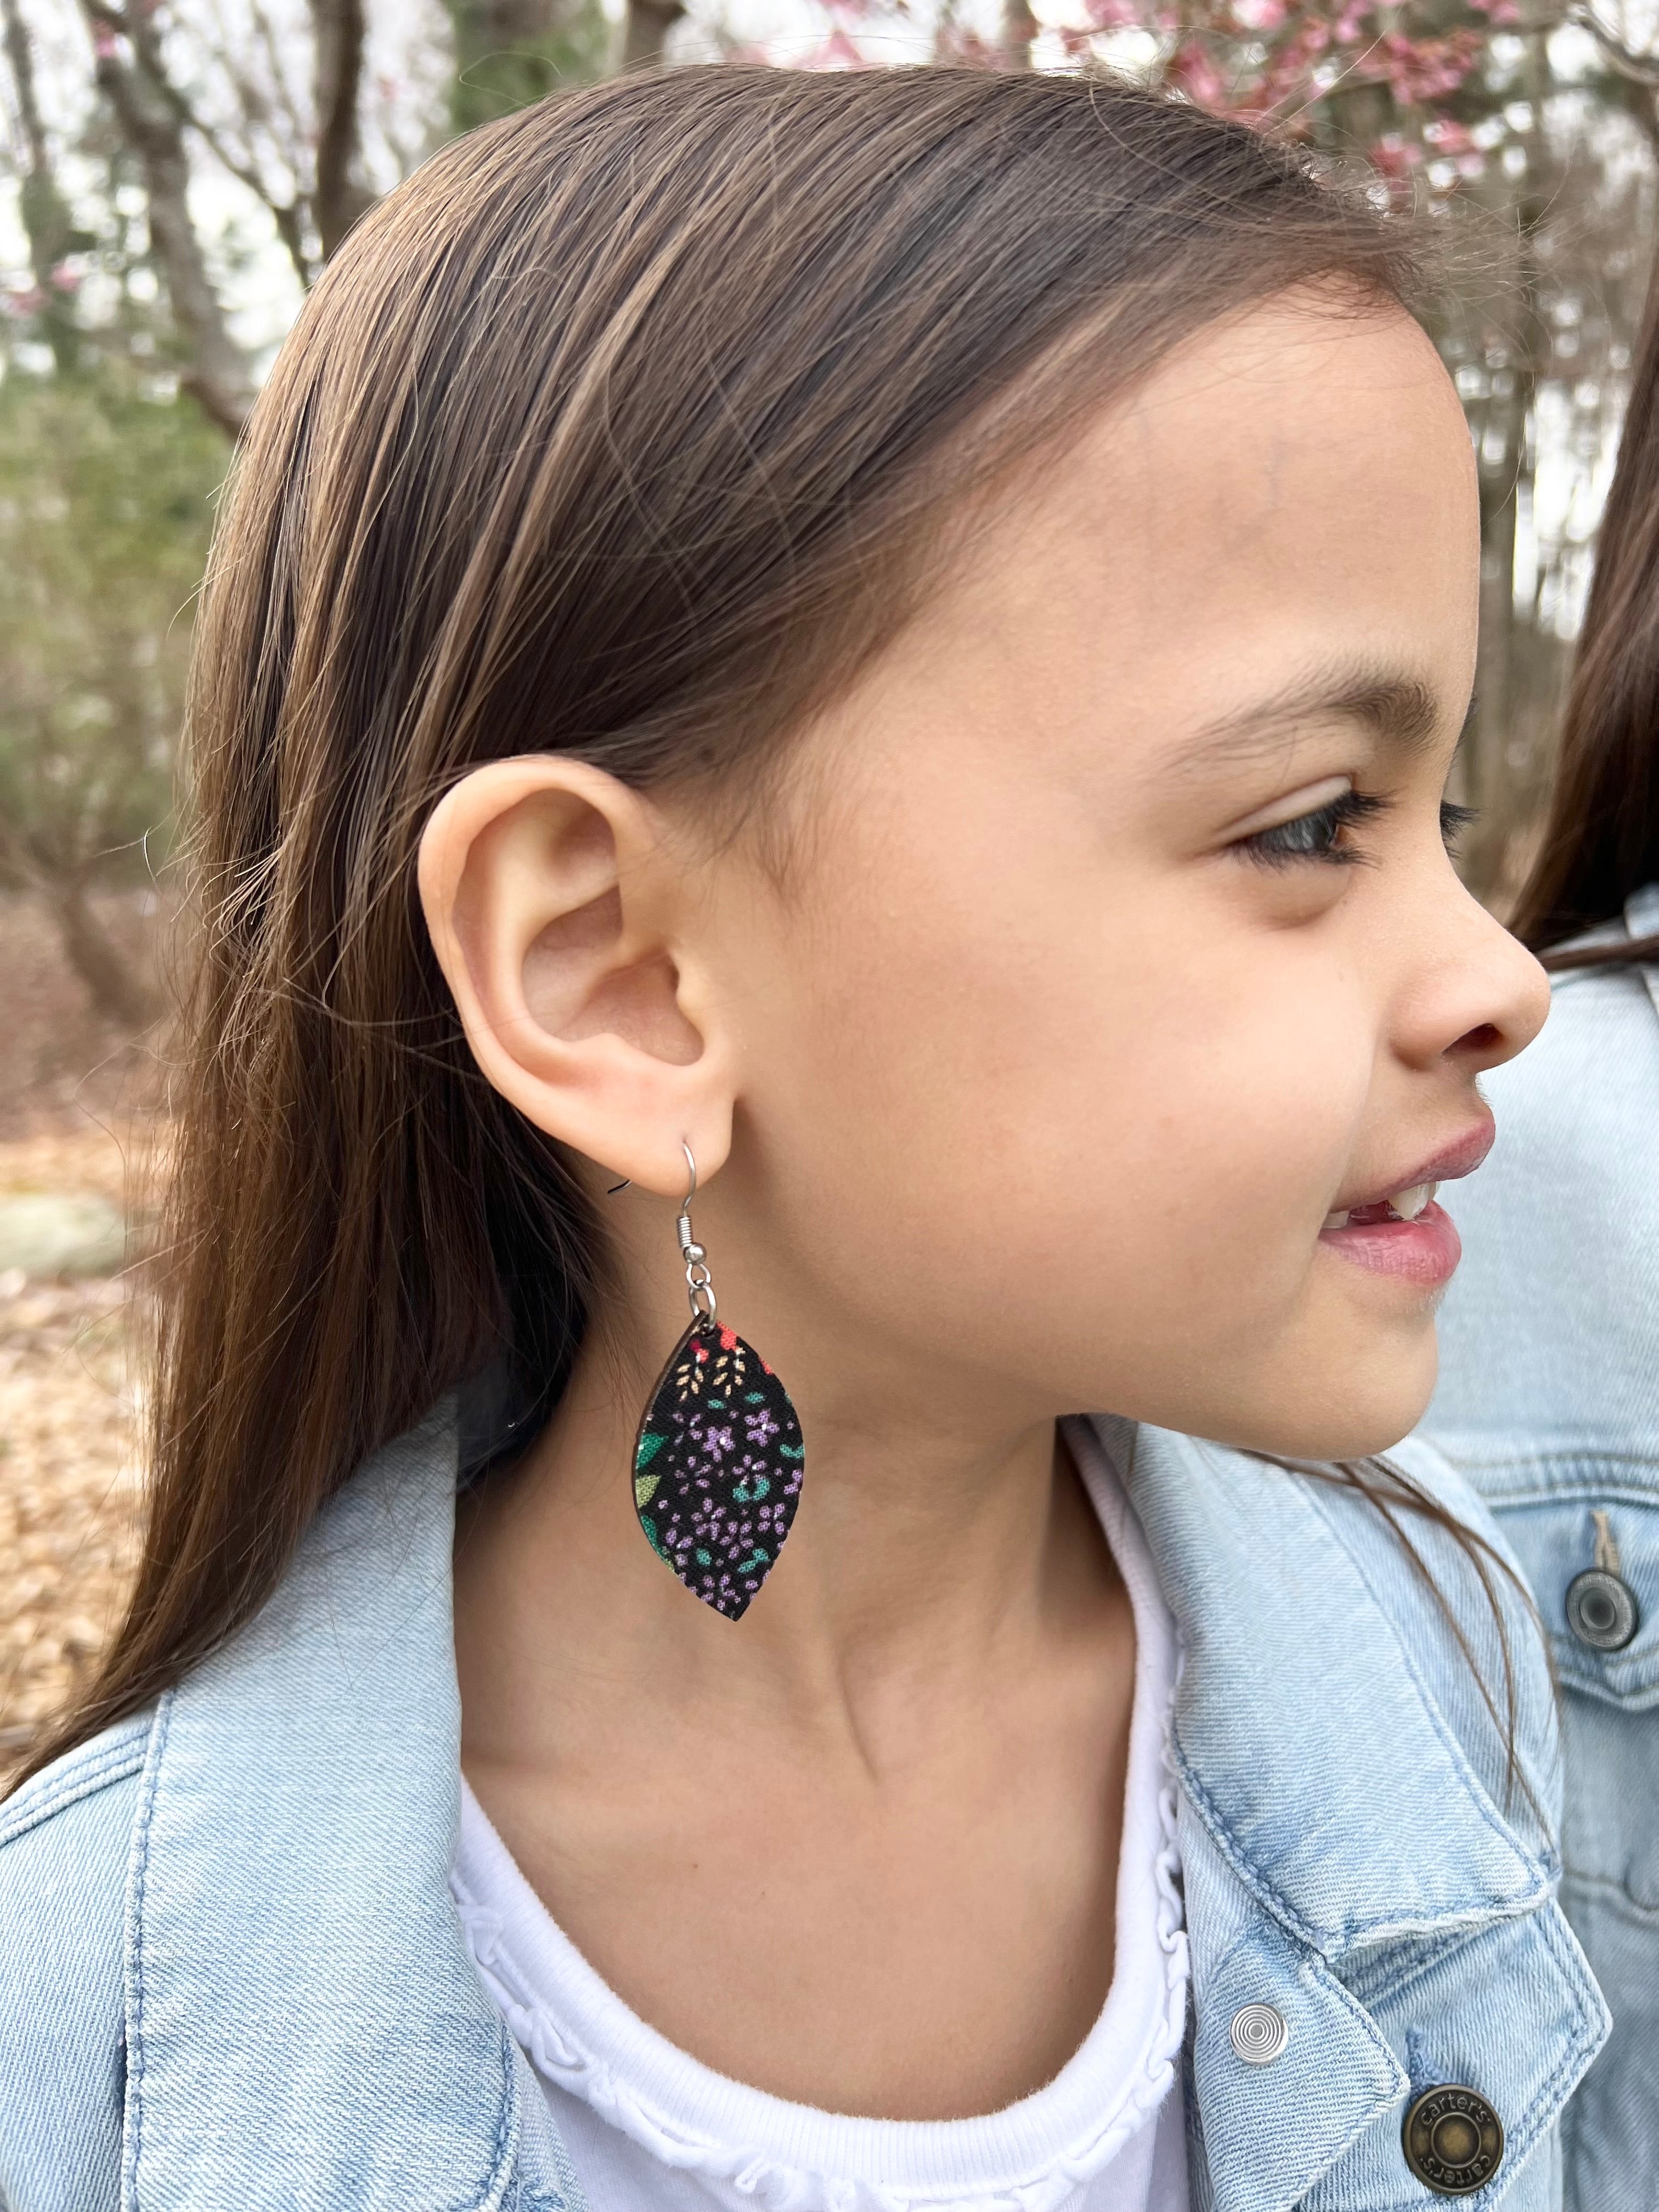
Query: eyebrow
{"type": "Point", "coordinates": [1400, 710]}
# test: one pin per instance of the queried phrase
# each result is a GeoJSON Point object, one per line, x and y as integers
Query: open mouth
{"type": "Point", "coordinates": [1403, 1205]}
{"type": "Point", "coordinates": [1406, 1235]}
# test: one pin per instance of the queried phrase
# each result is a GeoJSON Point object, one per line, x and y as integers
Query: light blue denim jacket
{"type": "Point", "coordinates": [231, 1979]}
{"type": "Point", "coordinates": [1549, 1401]}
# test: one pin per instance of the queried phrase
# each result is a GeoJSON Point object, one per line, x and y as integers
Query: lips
{"type": "Point", "coordinates": [1425, 1251]}
{"type": "Point", "coordinates": [1400, 1231]}
{"type": "Point", "coordinates": [1412, 1191]}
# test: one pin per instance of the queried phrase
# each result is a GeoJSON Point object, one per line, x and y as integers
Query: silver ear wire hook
{"type": "Point", "coordinates": [699, 1283]}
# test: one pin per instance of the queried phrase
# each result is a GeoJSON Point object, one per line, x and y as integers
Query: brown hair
{"type": "Point", "coordinates": [626, 428]}
{"type": "Point", "coordinates": [1601, 837]}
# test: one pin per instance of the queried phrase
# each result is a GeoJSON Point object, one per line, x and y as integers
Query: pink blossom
{"type": "Point", "coordinates": [1259, 15]}
{"type": "Point", "coordinates": [1197, 76]}
{"type": "Point", "coordinates": [1394, 157]}
{"type": "Point", "coordinates": [837, 52]}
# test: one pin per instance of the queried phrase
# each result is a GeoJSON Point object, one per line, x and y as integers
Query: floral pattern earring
{"type": "Point", "coordinates": [719, 1460]}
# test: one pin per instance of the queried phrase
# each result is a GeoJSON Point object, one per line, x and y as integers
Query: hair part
{"type": "Point", "coordinates": [627, 428]}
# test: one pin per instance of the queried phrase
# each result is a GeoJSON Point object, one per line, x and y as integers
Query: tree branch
{"type": "Point", "coordinates": [338, 199]}
{"type": "Point", "coordinates": [216, 374]}
{"type": "Point", "coordinates": [1623, 60]}
{"type": "Point", "coordinates": [644, 31]}
{"type": "Point", "coordinates": [45, 211]}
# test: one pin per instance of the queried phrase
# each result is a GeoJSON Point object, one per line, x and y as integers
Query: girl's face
{"type": "Point", "coordinates": [1116, 957]}
{"type": "Point", "coordinates": [1120, 956]}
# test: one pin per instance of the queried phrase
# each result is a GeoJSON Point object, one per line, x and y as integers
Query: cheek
{"type": "Point", "coordinates": [1078, 1102]}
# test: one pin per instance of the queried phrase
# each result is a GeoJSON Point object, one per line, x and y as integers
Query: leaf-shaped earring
{"type": "Point", "coordinates": [719, 1460]}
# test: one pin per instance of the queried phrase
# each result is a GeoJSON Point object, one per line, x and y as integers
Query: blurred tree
{"type": "Point", "coordinates": [1480, 111]}
{"type": "Point", "coordinates": [47, 224]}
{"type": "Point", "coordinates": [1529, 125]}
{"type": "Point", "coordinates": [510, 53]}
{"type": "Point", "coordinates": [105, 512]}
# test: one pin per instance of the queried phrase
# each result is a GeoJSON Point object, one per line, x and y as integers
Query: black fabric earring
{"type": "Point", "coordinates": [719, 1461]}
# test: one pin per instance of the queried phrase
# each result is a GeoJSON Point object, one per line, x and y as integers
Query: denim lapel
{"type": "Point", "coordinates": [306, 2032]}
{"type": "Point", "coordinates": [1351, 1852]}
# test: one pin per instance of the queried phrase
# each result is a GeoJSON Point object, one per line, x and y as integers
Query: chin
{"type": "Point", "coordinates": [1362, 1407]}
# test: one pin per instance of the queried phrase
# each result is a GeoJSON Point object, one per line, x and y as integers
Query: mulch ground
{"type": "Point", "coordinates": [69, 1492]}
{"type": "Point", "coordinates": [72, 1095]}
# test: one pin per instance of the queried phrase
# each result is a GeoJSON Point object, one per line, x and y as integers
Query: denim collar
{"type": "Point", "coordinates": [1326, 1713]}
{"type": "Point", "coordinates": [307, 2031]}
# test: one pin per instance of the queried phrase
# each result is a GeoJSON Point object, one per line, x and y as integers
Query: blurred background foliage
{"type": "Point", "coordinates": [105, 508]}
{"type": "Point", "coordinates": [174, 172]}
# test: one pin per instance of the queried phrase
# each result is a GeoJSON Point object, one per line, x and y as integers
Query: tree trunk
{"type": "Point", "coordinates": [340, 196]}
{"type": "Point", "coordinates": [46, 221]}
{"type": "Point", "coordinates": [1019, 30]}
{"type": "Point", "coordinates": [645, 32]}
{"type": "Point", "coordinates": [117, 990]}
{"type": "Point", "coordinates": [216, 375]}
{"type": "Point", "coordinates": [509, 53]}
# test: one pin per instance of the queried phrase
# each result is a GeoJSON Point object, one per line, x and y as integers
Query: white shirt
{"type": "Point", "coordinates": [649, 2128]}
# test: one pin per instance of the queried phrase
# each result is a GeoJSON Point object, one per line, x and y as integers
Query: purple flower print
{"type": "Point", "coordinates": [715, 1486]}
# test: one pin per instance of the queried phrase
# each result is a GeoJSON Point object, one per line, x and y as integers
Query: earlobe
{"type": "Point", "coordinates": [563, 919]}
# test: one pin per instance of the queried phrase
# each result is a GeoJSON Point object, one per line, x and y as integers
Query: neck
{"type": "Point", "coordinates": [939, 1535]}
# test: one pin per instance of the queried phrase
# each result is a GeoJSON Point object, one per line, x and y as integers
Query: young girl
{"type": "Point", "coordinates": [1549, 1396]}
{"type": "Point", "coordinates": [823, 701]}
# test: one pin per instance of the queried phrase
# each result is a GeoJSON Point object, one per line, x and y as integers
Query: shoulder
{"type": "Point", "coordinates": [1454, 1593]}
{"type": "Point", "coordinates": [1389, 1647]}
{"type": "Point", "coordinates": [66, 1840]}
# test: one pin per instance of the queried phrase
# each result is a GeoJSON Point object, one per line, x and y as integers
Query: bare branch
{"type": "Point", "coordinates": [20, 57]}
{"type": "Point", "coordinates": [216, 374]}
{"type": "Point", "coordinates": [140, 33]}
{"type": "Point", "coordinates": [45, 211]}
{"type": "Point", "coordinates": [1623, 60]}
{"type": "Point", "coordinates": [1016, 31]}
{"type": "Point", "coordinates": [338, 199]}
{"type": "Point", "coordinates": [645, 32]}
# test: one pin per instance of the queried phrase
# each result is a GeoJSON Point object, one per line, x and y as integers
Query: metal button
{"type": "Point", "coordinates": [1453, 2140]}
{"type": "Point", "coordinates": [1602, 1609]}
{"type": "Point", "coordinates": [1259, 2034]}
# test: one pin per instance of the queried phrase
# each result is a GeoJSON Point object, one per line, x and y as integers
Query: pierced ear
{"type": "Point", "coordinates": [563, 919]}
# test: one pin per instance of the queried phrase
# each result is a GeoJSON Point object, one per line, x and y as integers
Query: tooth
{"type": "Point", "coordinates": [1409, 1204]}
{"type": "Point", "coordinates": [1337, 1220]}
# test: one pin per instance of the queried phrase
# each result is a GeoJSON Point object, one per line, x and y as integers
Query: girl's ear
{"type": "Point", "coordinates": [563, 915]}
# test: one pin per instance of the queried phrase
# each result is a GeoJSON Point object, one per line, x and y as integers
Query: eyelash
{"type": "Point", "coordinates": [1314, 837]}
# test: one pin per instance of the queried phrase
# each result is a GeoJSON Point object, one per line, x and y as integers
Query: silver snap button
{"type": "Point", "coordinates": [1259, 2034]}
{"type": "Point", "coordinates": [1601, 1610]}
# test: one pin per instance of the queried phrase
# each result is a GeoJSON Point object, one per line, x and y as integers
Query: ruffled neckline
{"type": "Point", "coordinates": [1031, 2156]}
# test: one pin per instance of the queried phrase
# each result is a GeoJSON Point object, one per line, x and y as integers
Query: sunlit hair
{"type": "Point", "coordinates": [630, 427]}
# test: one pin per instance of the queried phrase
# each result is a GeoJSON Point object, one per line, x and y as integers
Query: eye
{"type": "Point", "coordinates": [1317, 835]}
{"type": "Point", "coordinates": [1454, 821]}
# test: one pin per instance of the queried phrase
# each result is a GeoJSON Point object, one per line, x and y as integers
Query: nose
{"type": "Point", "coordinates": [1485, 997]}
